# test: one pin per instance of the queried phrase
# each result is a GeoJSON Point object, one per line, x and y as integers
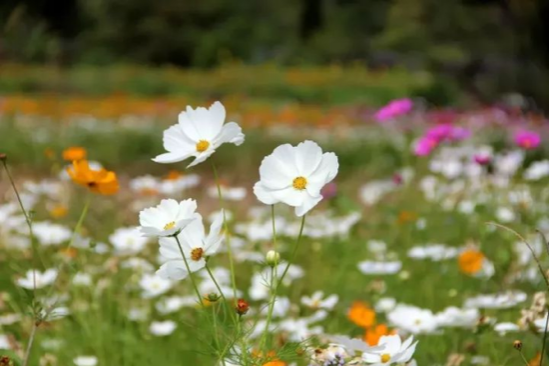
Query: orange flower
{"type": "Point", "coordinates": [373, 334]}
{"type": "Point", "coordinates": [58, 211]}
{"type": "Point", "coordinates": [536, 360]}
{"type": "Point", "coordinates": [270, 355]}
{"type": "Point", "coordinates": [470, 261]}
{"type": "Point", "coordinates": [98, 181]}
{"type": "Point", "coordinates": [74, 153]}
{"type": "Point", "coordinates": [49, 153]}
{"type": "Point", "coordinates": [362, 315]}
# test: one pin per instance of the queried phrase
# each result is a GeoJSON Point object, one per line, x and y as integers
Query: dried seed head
{"type": "Point", "coordinates": [517, 345]}
{"type": "Point", "coordinates": [3, 157]}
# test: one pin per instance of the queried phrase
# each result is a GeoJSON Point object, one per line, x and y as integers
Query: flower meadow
{"type": "Point", "coordinates": [400, 236]}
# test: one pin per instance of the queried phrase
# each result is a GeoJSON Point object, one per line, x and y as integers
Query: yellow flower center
{"type": "Point", "coordinates": [385, 357]}
{"type": "Point", "coordinates": [196, 254]}
{"type": "Point", "coordinates": [202, 145]}
{"type": "Point", "coordinates": [169, 225]}
{"type": "Point", "coordinates": [300, 183]}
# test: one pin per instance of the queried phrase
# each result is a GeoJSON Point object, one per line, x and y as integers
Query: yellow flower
{"type": "Point", "coordinates": [74, 153]}
{"type": "Point", "coordinates": [98, 181]}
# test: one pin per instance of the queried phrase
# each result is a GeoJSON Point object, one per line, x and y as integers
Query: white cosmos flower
{"type": "Point", "coordinates": [196, 247]}
{"type": "Point", "coordinates": [295, 176]}
{"type": "Point", "coordinates": [36, 279]}
{"type": "Point", "coordinates": [154, 285]}
{"type": "Point", "coordinates": [161, 329]}
{"type": "Point", "coordinates": [128, 241]}
{"type": "Point", "coordinates": [413, 319]}
{"type": "Point", "coordinates": [394, 351]}
{"type": "Point", "coordinates": [316, 301]}
{"type": "Point", "coordinates": [85, 361]}
{"type": "Point", "coordinates": [198, 134]}
{"type": "Point", "coordinates": [167, 218]}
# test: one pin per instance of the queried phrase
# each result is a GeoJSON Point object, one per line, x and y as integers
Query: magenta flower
{"type": "Point", "coordinates": [329, 191]}
{"type": "Point", "coordinates": [528, 140]}
{"type": "Point", "coordinates": [425, 145]}
{"type": "Point", "coordinates": [482, 159]}
{"type": "Point", "coordinates": [394, 109]}
{"type": "Point", "coordinates": [447, 132]}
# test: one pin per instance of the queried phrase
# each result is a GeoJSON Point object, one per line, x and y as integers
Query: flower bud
{"type": "Point", "coordinates": [3, 157]}
{"type": "Point", "coordinates": [272, 258]}
{"type": "Point", "coordinates": [212, 297]}
{"type": "Point", "coordinates": [517, 345]}
{"type": "Point", "coordinates": [242, 306]}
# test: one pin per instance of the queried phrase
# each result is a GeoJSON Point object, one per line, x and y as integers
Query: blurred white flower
{"type": "Point", "coordinates": [168, 218]}
{"type": "Point", "coordinates": [496, 301]}
{"type": "Point", "coordinates": [153, 285]}
{"type": "Point", "coordinates": [35, 278]}
{"type": "Point", "coordinates": [413, 319]}
{"type": "Point", "coordinates": [456, 317]}
{"type": "Point", "coordinates": [85, 361]}
{"type": "Point", "coordinates": [317, 301]}
{"type": "Point", "coordinates": [48, 233]}
{"type": "Point", "coordinates": [504, 328]}
{"type": "Point", "coordinates": [198, 134]}
{"type": "Point", "coordinates": [228, 193]}
{"type": "Point", "coordinates": [295, 175]}
{"type": "Point", "coordinates": [537, 170]}
{"type": "Point", "coordinates": [164, 328]}
{"type": "Point", "coordinates": [379, 268]}
{"type": "Point", "coordinates": [128, 241]}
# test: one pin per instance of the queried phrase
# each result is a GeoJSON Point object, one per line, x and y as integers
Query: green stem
{"type": "Point", "coordinates": [294, 252]}
{"type": "Point", "coordinates": [71, 243]}
{"type": "Point", "coordinates": [216, 284]}
{"type": "Point", "coordinates": [191, 276]}
{"type": "Point", "coordinates": [226, 228]}
{"type": "Point", "coordinates": [273, 287]}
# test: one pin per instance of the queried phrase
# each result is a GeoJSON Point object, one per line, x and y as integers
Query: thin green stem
{"type": "Point", "coordinates": [294, 252]}
{"type": "Point", "coordinates": [273, 287]}
{"type": "Point", "coordinates": [71, 243]}
{"type": "Point", "coordinates": [226, 228]}
{"type": "Point", "coordinates": [216, 284]}
{"type": "Point", "coordinates": [191, 276]}
{"type": "Point", "coordinates": [26, 358]}
{"type": "Point", "coordinates": [544, 340]}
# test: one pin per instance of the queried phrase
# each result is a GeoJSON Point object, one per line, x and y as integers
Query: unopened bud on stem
{"type": "Point", "coordinates": [272, 258]}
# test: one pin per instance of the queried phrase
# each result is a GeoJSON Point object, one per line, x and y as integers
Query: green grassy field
{"type": "Point", "coordinates": [109, 317]}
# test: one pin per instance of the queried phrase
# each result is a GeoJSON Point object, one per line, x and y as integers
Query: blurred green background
{"type": "Point", "coordinates": [478, 49]}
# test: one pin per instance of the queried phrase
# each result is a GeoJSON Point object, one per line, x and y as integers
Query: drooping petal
{"type": "Point", "coordinates": [264, 194]}
{"type": "Point", "coordinates": [231, 132]}
{"type": "Point", "coordinates": [201, 157]}
{"type": "Point", "coordinates": [215, 236]}
{"type": "Point", "coordinates": [308, 203]}
{"type": "Point", "coordinates": [290, 196]}
{"type": "Point", "coordinates": [174, 270]}
{"type": "Point", "coordinates": [172, 157]}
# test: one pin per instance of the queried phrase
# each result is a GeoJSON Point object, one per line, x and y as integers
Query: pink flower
{"type": "Point", "coordinates": [527, 139]}
{"type": "Point", "coordinates": [329, 191]}
{"type": "Point", "coordinates": [482, 159]}
{"type": "Point", "coordinates": [447, 132]}
{"type": "Point", "coordinates": [394, 109]}
{"type": "Point", "coordinates": [425, 145]}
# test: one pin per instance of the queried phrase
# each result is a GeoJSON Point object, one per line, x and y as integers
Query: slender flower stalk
{"type": "Point", "coordinates": [226, 228]}
{"type": "Point", "coordinates": [36, 315]}
{"type": "Point", "coordinates": [191, 276]}
{"type": "Point", "coordinates": [294, 252]}
{"type": "Point", "coordinates": [273, 286]}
